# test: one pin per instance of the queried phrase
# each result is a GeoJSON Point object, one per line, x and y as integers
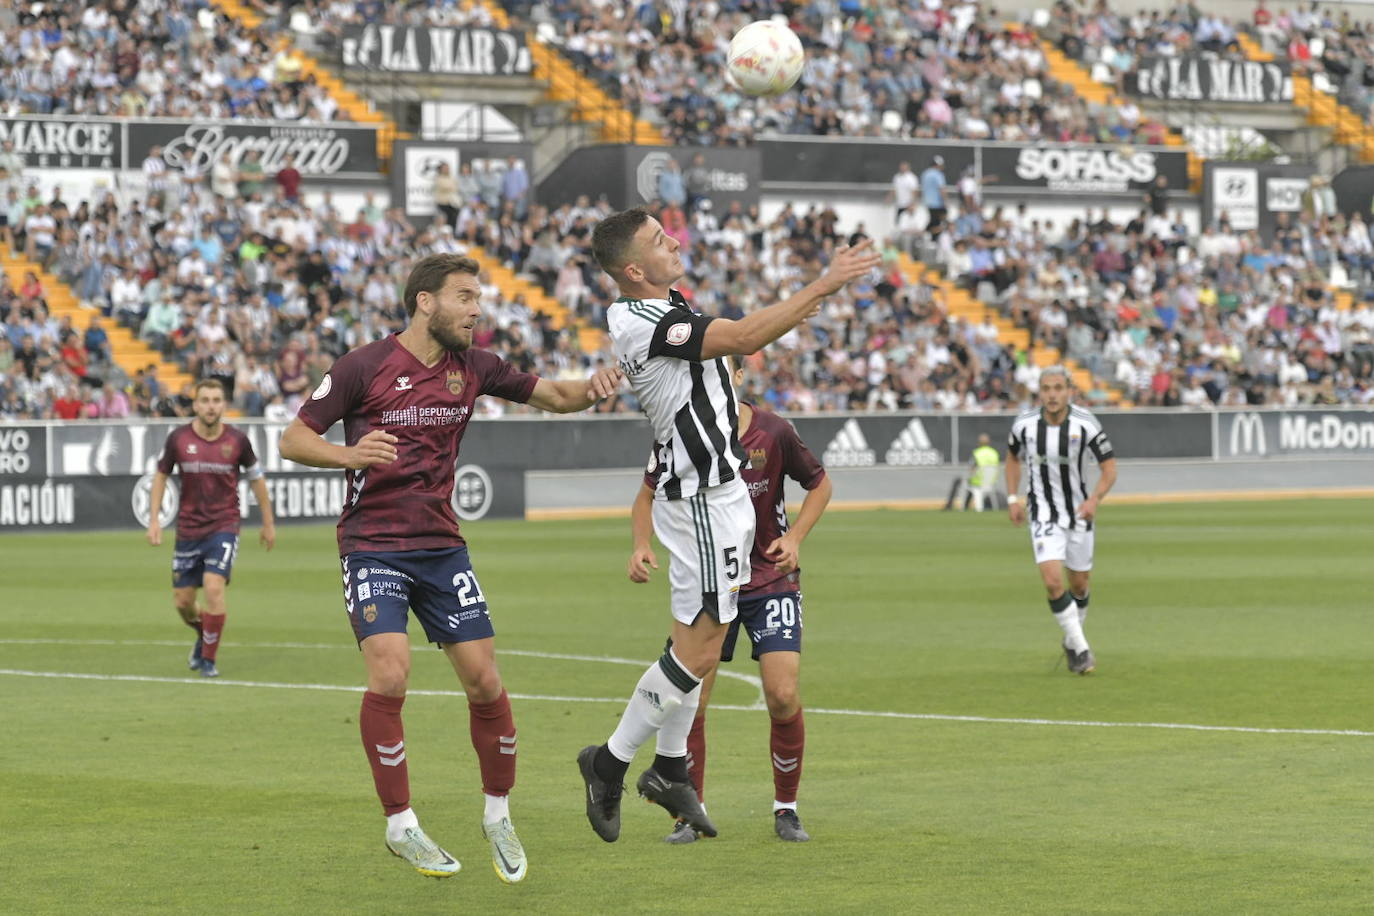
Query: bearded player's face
{"type": "Point", "coordinates": [457, 307]}
{"type": "Point", "coordinates": [208, 405]}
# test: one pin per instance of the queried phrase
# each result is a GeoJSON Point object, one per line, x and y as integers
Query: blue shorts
{"type": "Point", "coordinates": [214, 553]}
{"type": "Point", "coordinates": [773, 622]}
{"type": "Point", "coordinates": [439, 585]}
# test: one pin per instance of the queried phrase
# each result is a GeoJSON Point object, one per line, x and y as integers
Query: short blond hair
{"type": "Point", "coordinates": [1056, 370]}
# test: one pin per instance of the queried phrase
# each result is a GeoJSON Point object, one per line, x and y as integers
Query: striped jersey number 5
{"type": "Point", "coordinates": [469, 592]}
{"type": "Point", "coordinates": [784, 609]}
{"type": "Point", "coordinates": [731, 562]}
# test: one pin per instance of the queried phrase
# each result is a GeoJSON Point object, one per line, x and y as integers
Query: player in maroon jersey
{"type": "Point", "coordinates": [405, 403]}
{"type": "Point", "coordinates": [210, 454]}
{"type": "Point", "coordinates": [770, 606]}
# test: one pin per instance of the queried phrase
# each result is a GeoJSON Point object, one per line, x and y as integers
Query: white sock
{"type": "Point", "coordinates": [663, 688]}
{"type": "Point", "coordinates": [1073, 630]}
{"type": "Point", "coordinates": [778, 806]}
{"type": "Point", "coordinates": [672, 737]}
{"type": "Point", "coordinates": [397, 824]}
{"type": "Point", "coordinates": [497, 807]}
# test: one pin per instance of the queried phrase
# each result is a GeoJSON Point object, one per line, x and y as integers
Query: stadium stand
{"type": "Point", "coordinates": [928, 70]}
{"type": "Point", "coordinates": [174, 58]}
{"type": "Point", "coordinates": [226, 277]}
{"type": "Point", "coordinates": [1178, 319]}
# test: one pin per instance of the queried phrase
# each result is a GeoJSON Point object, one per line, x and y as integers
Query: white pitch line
{"type": "Point", "coordinates": [554, 698]}
{"type": "Point", "coordinates": [751, 679]}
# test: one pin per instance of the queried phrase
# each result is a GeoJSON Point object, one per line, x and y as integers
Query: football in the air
{"type": "Point", "coordinates": [765, 58]}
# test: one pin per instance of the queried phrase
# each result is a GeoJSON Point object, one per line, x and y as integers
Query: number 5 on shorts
{"type": "Point", "coordinates": [731, 563]}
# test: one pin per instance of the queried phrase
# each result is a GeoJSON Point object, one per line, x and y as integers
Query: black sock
{"type": "Point", "coordinates": [1083, 600]}
{"type": "Point", "coordinates": [1060, 604]}
{"type": "Point", "coordinates": [608, 767]}
{"type": "Point", "coordinates": [671, 768]}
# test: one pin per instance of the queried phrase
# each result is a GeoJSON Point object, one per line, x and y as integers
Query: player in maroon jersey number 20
{"type": "Point", "coordinates": [405, 403]}
{"type": "Point", "coordinates": [210, 454]}
{"type": "Point", "coordinates": [770, 606]}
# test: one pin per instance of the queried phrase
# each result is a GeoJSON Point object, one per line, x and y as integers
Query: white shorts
{"type": "Point", "coordinates": [1055, 542]}
{"type": "Point", "coordinates": [708, 537]}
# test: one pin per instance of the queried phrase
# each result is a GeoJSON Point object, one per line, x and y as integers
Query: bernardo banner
{"type": "Point", "coordinates": [322, 150]}
{"type": "Point", "coordinates": [435, 50]}
{"type": "Point", "coordinates": [1201, 79]}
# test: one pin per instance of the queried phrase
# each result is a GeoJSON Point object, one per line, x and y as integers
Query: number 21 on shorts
{"type": "Point", "coordinates": [469, 592]}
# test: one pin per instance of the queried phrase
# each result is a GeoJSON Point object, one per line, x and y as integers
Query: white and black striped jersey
{"type": "Point", "coordinates": [690, 403]}
{"type": "Point", "coordinates": [1052, 457]}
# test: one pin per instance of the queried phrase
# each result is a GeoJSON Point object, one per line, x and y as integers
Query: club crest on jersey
{"type": "Point", "coordinates": [758, 458]}
{"type": "Point", "coordinates": [403, 383]}
{"type": "Point", "coordinates": [370, 613]}
{"type": "Point", "coordinates": [455, 382]}
{"type": "Point", "coordinates": [191, 449]}
{"type": "Point", "coordinates": [225, 450]}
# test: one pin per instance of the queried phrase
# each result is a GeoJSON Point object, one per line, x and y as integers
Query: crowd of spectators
{"type": "Point", "coordinates": [1331, 46]}
{"type": "Point", "coordinates": [263, 293]}
{"type": "Point", "coordinates": [148, 58]}
{"type": "Point", "coordinates": [257, 289]}
{"type": "Point", "coordinates": [935, 69]}
{"type": "Point", "coordinates": [1112, 43]}
{"type": "Point", "coordinates": [1328, 44]}
{"type": "Point", "coordinates": [1176, 318]}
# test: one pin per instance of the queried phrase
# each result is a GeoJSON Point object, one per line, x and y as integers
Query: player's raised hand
{"type": "Point", "coordinates": [377, 447]}
{"type": "Point", "coordinates": [847, 264]}
{"type": "Point", "coordinates": [785, 553]}
{"type": "Point", "coordinates": [604, 383]}
{"type": "Point", "coordinates": [155, 532]}
{"type": "Point", "coordinates": [640, 561]}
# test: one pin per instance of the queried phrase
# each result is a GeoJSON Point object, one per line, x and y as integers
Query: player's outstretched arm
{"type": "Point", "coordinates": [155, 508]}
{"type": "Point", "coordinates": [1015, 511]}
{"type": "Point", "coordinates": [785, 552]}
{"type": "Point", "coordinates": [268, 536]}
{"type": "Point", "coordinates": [641, 531]}
{"type": "Point", "coordinates": [751, 333]}
{"type": "Point", "coordinates": [301, 444]}
{"type": "Point", "coordinates": [571, 395]}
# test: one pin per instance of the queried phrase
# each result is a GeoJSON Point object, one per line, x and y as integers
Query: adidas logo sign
{"type": "Point", "coordinates": [912, 447]}
{"type": "Point", "coordinates": [849, 448]}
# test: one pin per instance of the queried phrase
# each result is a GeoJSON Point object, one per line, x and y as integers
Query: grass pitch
{"type": "Point", "coordinates": [952, 766]}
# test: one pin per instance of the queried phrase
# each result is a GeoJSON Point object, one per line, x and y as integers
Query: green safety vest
{"type": "Point", "coordinates": [984, 456]}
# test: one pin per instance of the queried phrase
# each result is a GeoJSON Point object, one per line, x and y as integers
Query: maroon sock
{"type": "Point", "coordinates": [212, 625]}
{"type": "Point", "coordinates": [384, 741]}
{"type": "Point", "coordinates": [696, 756]}
{"type": "Point", "coordinates": [493, 737]}
{"type": "Point", "coordinates": [787, 740]}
